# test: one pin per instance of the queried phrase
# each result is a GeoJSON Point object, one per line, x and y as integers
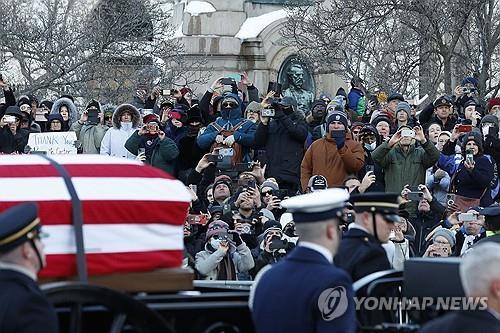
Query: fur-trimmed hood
{"type": "Point", "coordinates": [136, 116]}
{"type": "Point", "coordinates": [73, 112]}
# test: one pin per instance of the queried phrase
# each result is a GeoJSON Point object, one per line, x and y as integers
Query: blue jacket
{"type": "Point", "coordinates": [229, 118]}
{"type": "Point", "coordinates": [286, 296]}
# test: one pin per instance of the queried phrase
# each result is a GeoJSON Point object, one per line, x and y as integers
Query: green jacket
{"type": "Point", "coordinates": [405, 168]}
{"type": "Point", "coordinates": [90, 136]}
{"type": "Point", "coordinates": [164, 153]}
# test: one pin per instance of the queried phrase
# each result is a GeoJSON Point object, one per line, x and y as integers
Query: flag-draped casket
{"type": "Point", "coordinates": [132, 214]}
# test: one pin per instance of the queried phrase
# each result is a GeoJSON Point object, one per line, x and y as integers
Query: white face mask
{"type": "Point", "coordinates": [486, 130]}
{"type": "Point", "coordinates": [215, 243]}
{"type": "Point", "coordinates": [370, 146]}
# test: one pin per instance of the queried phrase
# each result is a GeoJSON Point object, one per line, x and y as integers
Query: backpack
{"type": "Point", "coordinates": [237, 156]}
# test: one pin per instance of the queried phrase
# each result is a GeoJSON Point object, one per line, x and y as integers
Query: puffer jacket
{"type": "Point", "coordinates": [207, 262]}
{"type": "Point", "coordinates": [113, 143]}
{"type": "Point", "coordinates": [405, 168]}
{"type": "Point", "coordinates": [73, 112]}
{"type": "Point", "coordinates": [229, 118]}
{"type": "Point", "coordinates": [323, 158]}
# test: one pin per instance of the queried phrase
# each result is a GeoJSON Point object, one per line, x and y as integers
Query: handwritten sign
{"type": "Point", "coordinates": [54, 143]}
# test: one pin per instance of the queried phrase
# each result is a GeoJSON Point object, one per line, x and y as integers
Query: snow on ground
{"type": "Point", "coordinates": [196, 8]}
{"type": "Point", "coordinates": [253, 26]}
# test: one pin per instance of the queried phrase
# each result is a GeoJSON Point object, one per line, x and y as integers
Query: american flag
{"type": "Point", "coordinates": [133, 214]}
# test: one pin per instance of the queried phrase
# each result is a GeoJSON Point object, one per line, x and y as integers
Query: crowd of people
{"type": "Point", "coordinates": [240, 153]}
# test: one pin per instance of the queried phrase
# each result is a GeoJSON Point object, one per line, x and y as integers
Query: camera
{"type": "Point", "coordinates": [242, 167]}
{"type": "Point", "coordinates": [227, 81]}
{"type": "Point", "coordinates": [450, 199]}
{"type": "Point", "coordinates": [8, 119]}
{"type": "Point", "coordinates": [226, 152]}
{"type": "Point", "coordinates": [464, 128]}
{"type": "Point", "coordinates": [152, 128]}
{"type": "Point", "coordinates": [415, 196]}
{"type": "Point", "coordinates": [267, 112]}
{"type": "Point", "coordinates": [197, 219]}
{"type": "Point", "coordinates": [277, 244]}
{"type": "Point", "coordinates": [408, 133]}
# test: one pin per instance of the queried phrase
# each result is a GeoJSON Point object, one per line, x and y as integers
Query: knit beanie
{"type": "Point", "coordinates": [338, 116]}
{"type": "Point", "coordinates": [473, 136]}
{"type": "Point", "coordinates": [403, 106]}
{"type": "Point", "coordinates": [94, 103]}
{"type": "Point", "coordinates": [493, 102]}
{"type": "Point", "coordinates": [269, 183]}
{"type": "Point", "coordinates": [254, 107]}
{"type": "Point", "coordinates": [446, 233]}
{"type": "Point", "coordinates": [217, 227]}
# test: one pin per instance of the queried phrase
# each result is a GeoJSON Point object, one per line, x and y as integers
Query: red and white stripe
{"type": "Point", "coordinates": [133, 213]}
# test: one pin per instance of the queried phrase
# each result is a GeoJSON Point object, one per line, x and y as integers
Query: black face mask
{"type": "Point", "coordinates": [288, 110]}
{"type": "Point", "coordinates": [193, 130]}
{"type": "Point", "coordinates": [289, 231]}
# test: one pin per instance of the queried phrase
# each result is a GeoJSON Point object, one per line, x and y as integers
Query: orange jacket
{"type": "Point", "coordinates": [323, 158]}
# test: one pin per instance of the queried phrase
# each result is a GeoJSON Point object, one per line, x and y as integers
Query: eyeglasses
{"type": "Point", "coordinates": [253, 111]}
{"type": "Point", "coordinates": [228, 105]}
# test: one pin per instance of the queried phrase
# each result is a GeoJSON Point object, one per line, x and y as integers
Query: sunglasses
{"type": "Point", "coordinates": [269, 192]}
{"type": "Point", "coordinates": [228, 105]}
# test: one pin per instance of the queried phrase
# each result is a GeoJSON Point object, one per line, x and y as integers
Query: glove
{"type": "Point", "coordinates": [219, 138]}
{"type": "Point", "coordinates": [229, 141]}
{"type": "Point", "coordinates": [236, 238]}
{"type": "Point", "coordinates": [339, 140]}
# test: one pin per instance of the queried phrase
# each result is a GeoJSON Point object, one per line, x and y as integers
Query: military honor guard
{"type": "Point", "coordinates": [305, 292]}
{"type": "Point", "coordinates": [361, 253]}
{"type": "Point", "coordinates": [23, 307]}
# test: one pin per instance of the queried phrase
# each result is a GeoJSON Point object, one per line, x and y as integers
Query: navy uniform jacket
{"type": "Point", "coordinates": [360, 254]}
{"type": "Point", "coordinates": [23, 307]}
{"type": "Point", "coordinates": [286, 296]}
{"type": "Point", "coordinates": [463, 322]}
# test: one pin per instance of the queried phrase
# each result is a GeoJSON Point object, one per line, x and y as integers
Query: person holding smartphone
{"type": "Point", "coordinates": [335, 156]}
{"type": "Point", "coordinates": [90, 129]}
{"type": "Point", "coordinates": [225, 254]}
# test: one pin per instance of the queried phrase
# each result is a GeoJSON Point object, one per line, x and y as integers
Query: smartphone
{"type": "Point", "coordinates": [280, 194]}
{"type": "Point", "coordinates": [227, 81]}
{"type": "Point", "coordinates": [277, 244]}
{"type": "Point", "coordinates": [1, 77]}
{"type": "Point", "coordinates": [214, 158]}
{"type": "Point", "coordinates": [141, 150]}
{"type": "Point", "coordinates": [370, 168]}
{"type": "Point", "coordinates": [415, 196]}
{"type": "Point", "coordinates": [276, 87]}
{"type": "Point", "coordinates": [92, 117]}
{"type": "Point", "coordinates": [267, 113]}
{"type": "Point", "coordinates": [242, 167]}
{"type": "Point", "coordinates": [165, 92]}
{"type": "Point", "coordinates": [153, 128]}
{"type": "Point", "coordinates": [469, 157]}
{"type": "Point", "coordinates": [193, 187]}
{"type": "Point", "coordinates": [337, 133]}
{"type": "Point", "coordinates": [450, 199]}
{"type": "Point", "coordinates": [466, 217]}
{"type": "Point", "coordinates": [226, 152]}
{"type": "Point", "coordinates": [40, 115]}
{"type": "Point", "coordinates": [408, 133]}
{"type": "Point", "coordinates": [197, 219]}
{"type": "Point", "coordinates": [464, 128]}
{"type": "Point", "coordinates": [251, 183]}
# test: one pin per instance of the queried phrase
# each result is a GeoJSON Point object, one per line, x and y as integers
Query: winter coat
{"type": "Point", "coordinates": [90, 136]}
{"type": "Point", "coordinates": [357, 102]}
{"type": "Point", "coordinates": [10, 143]}
{"type": "Point", "coordinates": [405, 168]}
{"type": "Point", "coordinates": [229, 119]}
{"type": "Point", "coordinates": [427, 117]}
{"type": "Point", "coordinates": [73, 112]}
{"type": "Point", "coordinates": [323, 158]}
{"type": "Point", "coordinates": [475, 183]}
{"type": "Point", "coordinates": [283, 140]}
{"type": "Point", "coordinates": [438, 187]}
{"type": "Point", "coordinates": [113, 143]}
{"type": "Point", "coordinates": [163, 153]}
{"type": "Point", "coordinates": [207, 261]}
{"type": "Point", "coordinates": [10, 100]}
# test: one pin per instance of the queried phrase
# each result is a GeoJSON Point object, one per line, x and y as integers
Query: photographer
{"type": "Point", "coordinates": [230, 130]}
{"type": "Point", "coordinates": [283, 136]}
{"type": "Point", "coordinates": [159, 151]}
{"type": "Point", "coordinates": [90, 132]}
{"type": "Point", "coordinates": [471, 178]}
{"type": "Point", "coordinates": [403, 162]}
{"type": "Point", "coordinates": [443, 243]}
{"type": "Point", "coordinates": [471, 232]}
{"type": "Point", "coordinates": [13, 138]}
{"type": "Point", "coordinates": [334, 156]}
{"type": "Point", "coordinates": [223, 258]}
{"type": "Point", "coordinates": [273, 248]}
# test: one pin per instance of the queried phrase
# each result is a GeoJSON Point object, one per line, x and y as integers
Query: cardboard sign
{"type": "Point", "coordinates": [53, 143]}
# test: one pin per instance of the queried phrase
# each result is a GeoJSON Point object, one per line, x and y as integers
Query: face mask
{"type": "Point", "coordinates": [215, 243]}
{"type": "Point", "coordinates": [126, 126]}
{"type": "Point", "coordinates": [370, 146]}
